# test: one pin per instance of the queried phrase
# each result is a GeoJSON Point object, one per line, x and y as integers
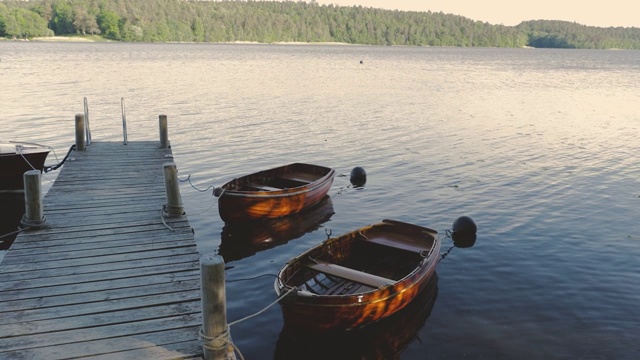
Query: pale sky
{"type": "Point", "coordinates": [602, 13]}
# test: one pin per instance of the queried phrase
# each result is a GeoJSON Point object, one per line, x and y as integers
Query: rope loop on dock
{"type": "Point", "coordinates": [32, 224]}
{"type": "Point", "coordinates": [215, 343]}
{"type": "Point", "coordinates": [218, 343]}
{"type": "Point", "coordinates": [162, 212]}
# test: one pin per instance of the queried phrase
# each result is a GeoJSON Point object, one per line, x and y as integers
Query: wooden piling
{"type": "Point", "coordinates": [164, 132]}
{"type": "Point", "coordinates": [215, 331]}
{"type": "Point", "coordinates": [33, 216]}
{"type": "Point", "coordinates": [173, 207]}
{"type": "Point", "coordinates": [80, 133]}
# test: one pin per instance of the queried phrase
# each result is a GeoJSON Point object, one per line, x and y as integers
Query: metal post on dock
{"type": "Point", "coordinates": [215, 332]}
{"type": "Point", "coordinates": [80, 133]}
{"type": "Point", "coordinates": [33, 217]}
{"type": "Point", "coordinates": [124, 122]}
{"type": "Point", "coordinates": [173, 207]}
{"type": "Point", "coordinates": [164, 132]}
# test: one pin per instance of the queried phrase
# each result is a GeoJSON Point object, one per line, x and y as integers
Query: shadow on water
{"type": "Point", "coordinates": [11, 212]}
{"type": "Point", "coordinates": [385, 339]}
{"type": "Point", "coordinates": [244, 239]}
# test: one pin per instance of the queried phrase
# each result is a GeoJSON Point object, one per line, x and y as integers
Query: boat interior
{"type": "Point", "coordinates": [356, 265]}
{"type": "Point", "coordinates": [275, 182]}
{"type": "Point", "coordinates": [272, 184]}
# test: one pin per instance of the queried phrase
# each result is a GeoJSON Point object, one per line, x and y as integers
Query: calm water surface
{"type": "Point", "coordinates": [539, 147]}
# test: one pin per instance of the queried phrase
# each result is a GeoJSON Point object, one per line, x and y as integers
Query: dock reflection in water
{"type": "Point", "coordinates": [11, 212]}
{"type": "Point", "coordinates": [385, 339]}
{"type": "Point", "coordinates": [244, 239]}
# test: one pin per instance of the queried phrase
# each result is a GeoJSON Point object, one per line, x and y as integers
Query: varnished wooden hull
{"type": "Point", "coordinates": [16, 159]}
{"type": "Point", "coordinates": [358, 278]}
{"type": "Point", "coordinates": [385, 339]}
{"type": "Point", "coordinates": [274, 193]}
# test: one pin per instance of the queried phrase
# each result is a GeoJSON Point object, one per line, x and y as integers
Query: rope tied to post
{"type": "Point", "coordinates": [218, 343]}
{"type": "Point", "coordinates": [215, 343]}
{"type": "Point", "coordinates": [32, 224]}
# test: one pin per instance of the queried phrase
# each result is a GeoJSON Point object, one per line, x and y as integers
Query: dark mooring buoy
{"type": "Point", "coordinates": [358, 176]}
{"type": "Point", "coordinates": [463, 232]}
{"type": "Point", "coordinates": [218, 191]}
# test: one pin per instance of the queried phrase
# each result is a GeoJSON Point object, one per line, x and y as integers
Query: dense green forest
{"type": "Point", "coordinates": [289, 21]}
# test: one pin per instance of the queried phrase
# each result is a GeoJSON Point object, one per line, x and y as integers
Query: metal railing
{"type": "Point", "coordinates": [87, 129]}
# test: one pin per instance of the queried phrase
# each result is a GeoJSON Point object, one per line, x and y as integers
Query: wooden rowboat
{"type": "Point", "coordinates": [274, 193]}
{"type": "Point", "coordinates": [16, 158]}
{"type": "Point", "coordinates": [356, 279]}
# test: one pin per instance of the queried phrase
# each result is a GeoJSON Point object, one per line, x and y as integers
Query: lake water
{"type": "Point", "coordinates": [539, 147]}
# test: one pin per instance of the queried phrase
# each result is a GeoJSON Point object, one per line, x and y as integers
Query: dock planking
{"type": "Point", "coordinates": [105, 278]}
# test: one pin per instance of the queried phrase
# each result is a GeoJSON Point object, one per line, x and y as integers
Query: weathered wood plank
{"type": "Point", "coordinates": [85, 338]}
{"type": "Point", "coordinates": [17, 265]}
{"type": "Point", "coordinates": [96, 286]}
{"type": "Point", "coordinates": [105, 275]}
{"type": "Point", "coordinates": [143, 346]}
{"type": "Point", "coordinates": [133, 315]}
{"type": "Point", "coordinates": [97, 230]}
{"type": "Point", "coordinates": [101, 295]}
{"type": "Point", "coordinates": [99, 307]}
{"type": "Point", "coordinates": [63, 243]}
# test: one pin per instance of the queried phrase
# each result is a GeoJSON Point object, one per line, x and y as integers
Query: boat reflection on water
{"type": "Point", "coordinates": [11, 212]}
{"type": "Point", "coordinates": [385, 339]}
{"type": "Point", "coordinates": [244, 239]}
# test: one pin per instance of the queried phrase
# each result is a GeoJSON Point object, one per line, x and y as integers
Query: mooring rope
{"type": "Point", "coordinates": [11, 233]}
{"type": "Point", "coordinates": [57, 166]}
{"type": "Point", "coordinates": [220, 342]}
{"type": "Point", "coordinates": [265, 309]}
{"type": "Point", "coordinates": [448, 235]}
{"type": "Point", "coordinates": [32, 224]}
{"type": "Point", "coordinates": [27, 161]}
{"type": "Point", "coordinates": [193, 186]}
{"type": "Point", "coordinates": [162, 212]}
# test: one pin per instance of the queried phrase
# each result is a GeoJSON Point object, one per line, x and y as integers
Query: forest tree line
{"type": "Point", "coordinates": [290, 21]}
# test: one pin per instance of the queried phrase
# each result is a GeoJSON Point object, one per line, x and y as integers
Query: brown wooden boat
{"type": "Point", "coordinates": [356, 279]}
{"type": "Point", "coordinates": [16, 158]}
{"type": "Point", "coordinates": [274, 193]}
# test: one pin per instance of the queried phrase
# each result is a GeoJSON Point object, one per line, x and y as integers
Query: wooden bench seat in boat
{"type": "Point", "coordinates": [299, 177]}
{"type": "Point", "coordinates": [350, 274]}
{"type": "Point", "coordinates": [263, 187]}
{"type": "Point", "coordinates": [404, 245]}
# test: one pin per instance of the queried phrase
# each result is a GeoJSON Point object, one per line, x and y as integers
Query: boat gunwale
{"type": "Point", "coordinates": [34, 149]}
{"type": "Point", "coordinates": [292, 191]}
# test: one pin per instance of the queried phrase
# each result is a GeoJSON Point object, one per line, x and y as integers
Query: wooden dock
{"type": "Point", "coordinates": [107, 277]}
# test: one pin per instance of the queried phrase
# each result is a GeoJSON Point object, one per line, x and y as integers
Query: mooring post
{"type": "Point", "coordinates": [32, 200]}
{"type": "Point", "coordinates": [164, 132]}
{"type": "Point", "coordinates": [80, 132]}
{"type": "Point", "coordinates": [215, 332]}
{"type": "Point", "coordinates": [173, 207]}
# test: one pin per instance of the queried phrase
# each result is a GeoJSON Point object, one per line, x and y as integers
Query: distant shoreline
{"type": "Point", "coordinates": [56, 39]}
{"type": "Point", "coordinates": [97, 38]}
{"type": "Point", "coordinates": [63, 39]}
{"type": "Point", "coordinates": [100, 39]}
